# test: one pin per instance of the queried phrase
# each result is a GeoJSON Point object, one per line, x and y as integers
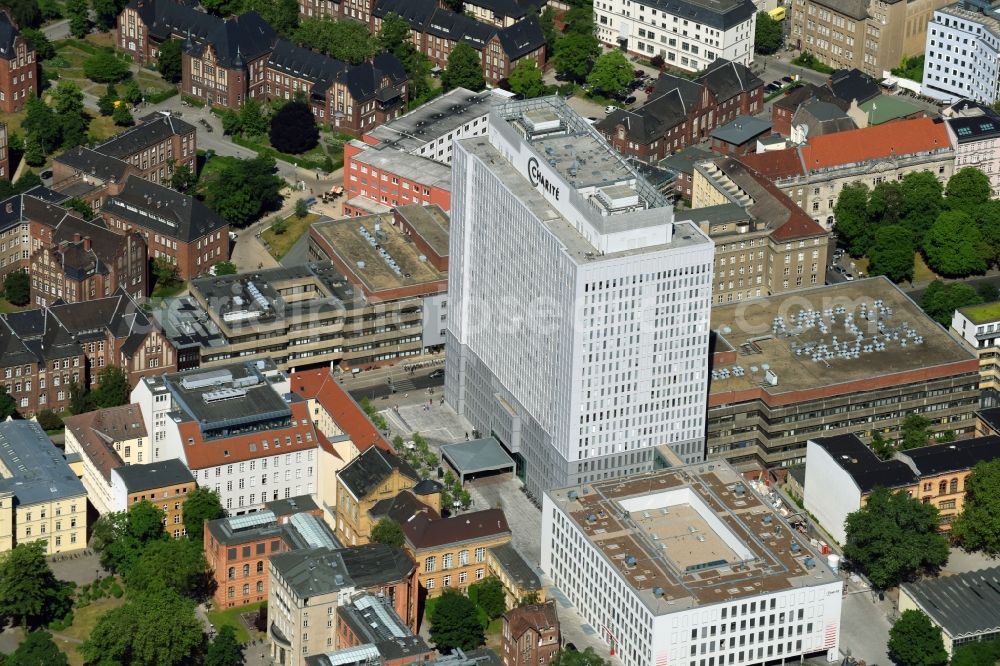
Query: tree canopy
{"type": "Point", "coordinates": [526, 79]}
{"type": "Point", "coordinates": [37, 649]}
{"type": "Point", "coordinates": [105, 67]}
{"type": "Point", "coordinates": [106, 13]}
{"type": "Point", "coordinates": [922, 201]}
{"type": "Point", "coordinates": [915, 641]}
{"type": "Point", "coordinates": [967, 189]}
{"type": "Point", "coordinates": [25, 13]}
{"type": "Point", "coordinates": [183, 178]}
{"type": "Point", "coordinates": [454, 623]}
{"type": "Point", "coordinates": [157, 628]}
{"type": "Point", "coordinates": [977, 528]}
{"type": "Point", "coordinates": [112, 388]}
{"type": "Point", "coordinates": [177, 564]}
{"type": "Point", "coordinates": [915, 432]}
{"type": "Point", "coordinates": [574, 658]}
{"type": "Point", "coordinates": [243, 189]}
{"type": "Point", "coordinates": [43, 47]}
{"type": "Point", "coordinates": [345, 40]}
{"type": "Point", "coordinates": [282, 15]}
{"type": "Point", "coordinates": [489, 595]}
{"type": "Point", "coordinates": [30, 594]}
{"type": "Point", "coordinates": [201, 504]}
{"type": "Point", "coordinates": [224, 650]}
{"type": "Point", "coordinates": [464, 70]}
{"type": "Point", "coordinates": [395, 32]}
{"type": "Point", "coordinates": [17, 288]}
{"type": "Point", "coordinates": [388, 531]}
{"type": "Point", "coordinates": [78, 13]}
{"type": "Point", "coordinates": [168, 62]}
{"type": "Point", "coordinates": [940, 300]}
{"type": "Point", "coordinates": [894, 537]}
{"type": "Point", "coordinates": [574, 54]}
{"type": "Point", "coordinates": [851, 212]}
{"type": "Point", "coordinates": [892, 253]}
{"type": "Point", "coordinates": [293, 129]}
{"type": "Point", "coordinates": [977, 653]}
{"type": "Point", "coordinates": [120, 537]}
{"type": "Point", "coordinates": [954, 245]}
{"type": "Point", "coordinates": [611, 72]}
{"type": "Point", "coordinates": [768, 34]}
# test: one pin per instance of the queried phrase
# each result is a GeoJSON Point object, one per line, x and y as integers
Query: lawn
{"type": "Point", "coordinates": [84, 619]}
{"type": "Point", "coordinates": [279, 244]}
{"type": "Point", "coordinates": [231, 616]}
{"type": "Point", "coordinates": [921, 271]}
{"type": "Point", "coordinates": [6, 306]}
{"type": "Point", "coordinates": [103, 127]}
{"type": "Point", "coordinates": [169, 290]}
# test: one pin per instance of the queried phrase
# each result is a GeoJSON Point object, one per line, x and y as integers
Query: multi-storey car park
{"type": "Point", "coordinates": [689, 567]}
{"type": "Point", "coordinates": [855, 357]}
{"type": "Point", "coordinates": [578, 306]}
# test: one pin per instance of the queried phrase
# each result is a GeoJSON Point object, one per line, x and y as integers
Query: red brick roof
{"type": "Point", "coordinates": [321, 385]}
{"type": "Point", "coordinates": [201, 454]}
{"type": "Point", "coordinates": [775, 164]}
{"type": "Point", "coordinates": [538, 618]}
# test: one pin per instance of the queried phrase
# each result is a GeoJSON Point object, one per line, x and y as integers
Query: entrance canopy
{"type": "Point", "coordinates": [476, 457]}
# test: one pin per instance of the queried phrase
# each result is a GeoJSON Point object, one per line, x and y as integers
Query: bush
{"type": "Point", "coordinates": [49, 420]}
{"type": "Point", "coordinates": [105, 67]}
{"type": "Point", "coordinates": [293, 129]}
{"type": "Point", "coordinates": [116, 591]}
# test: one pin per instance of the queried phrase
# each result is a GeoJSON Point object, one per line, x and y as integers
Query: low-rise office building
{"type": "Point", "coordinates": [375, 475]}
{"type": "Point", "coordinates": [676, 564]}
{"type": "Point", "coordinates": [965, 606]}
{"type": "Point", "coordinates": [779, 378]}
{"type": "Point", "coordinates": [378, 177]}
{"type": "Point", "coordinates": [842, 471]}
{"type": "Point", "coordinates": [979, 327]}
{"type": "Point", "coordinates": [813, 174]}
{"type": "Point", "coordinates": [960, 54]}
{"type": "Point", "coordinates": [764, 243]}
{"type": "Point", "coordinates": [309, 586]}
{"type": "Point", "coordinates": [40, 497]}
{"type": "Point", "coordinates": [163, 484]}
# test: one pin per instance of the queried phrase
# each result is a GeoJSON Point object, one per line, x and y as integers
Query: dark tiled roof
{"type": "Point", "coordinates": [166, 18]}
{"type": "Point", "coordinates": [516, 567]}
{"type": "Point", "coordinates": [151, 476]}
{"type": "Point", "coordinates": [235, 40]}
{"type": "Point", "coordinates": [93, 163]}
{"type": "Point", "coordinates": [371, 468]}
{"type": "Point", "coordinates": [866, 468]}
{"type": "Point", "coordinates": [425, 532]}
{"type": "Point", "coordinates": [522, 38]}
{"type": "Point", "coordinates": [804, 93]}
{"type": "Point", "coordinates": [853, 84]}
{"type": "Point", "coordinates": [314, 571]}
{"type": "Point", "coordinates": [821, 118]}
{"type": "Point", "coordinates": [105, 246]}
{"type": "Point", "coordinates": [960, 456]}
{"type": "Point", "coordinates": [163, 210]}
{"type": "Point", "coordinates": [8, 36]}
{"type": "Point", "coordinates": [976, 122]}
{"type": "Point", "coordinates": [117, 314]}
{"type": "Point", "coordinates": [721, 14]}
{"type": "Point", "coordinates": [35, 336]}
{"type": "Point", "coordinates": [538, 617]}
{"type": "Point", "coordinates": [966, 604]}
{"type": "Point", "coordinates": [153, 130]}
{"type": "Point", "coordinates": [320, 69]}
{"type": "Point", "coordinates": [400, 508]}
{"type": "Point", "coordinates": [991, 417]}
{"type": "Point", "coordinates": [727, 79]}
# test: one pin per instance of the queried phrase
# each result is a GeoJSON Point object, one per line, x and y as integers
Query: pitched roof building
{"type": "Point", "coordinates": [18, 67]}
{"type": "Point", "coordinates": [375, 475]}
{"type": "Point", "coordinates": [164, 484]}
{"type": "Point", "coordinates": [155, 147]}
{"type": "Point", "coordinates": [965, 606]}
{"type": "Point", "coordinates": [530, 635]}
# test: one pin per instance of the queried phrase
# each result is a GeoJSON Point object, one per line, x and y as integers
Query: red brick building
{"type": "Point", "coordinates": [5, 172]}
{"type": "Point", "coordinates": [530, 635]}
{"type": "Point", "coordinates": [155, 147]}
{"type": "Point", "coordinates": [81, 261]}
{"type": "Point", "coordinates": [436, 31]}
{"type": "Point", "coordinates": [377, 179]}
{"type": "Point", "coordinates": [681, 112]}
{"type": "Point", "coordinates": [18, 67]}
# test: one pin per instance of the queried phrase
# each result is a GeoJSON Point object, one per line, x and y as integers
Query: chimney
{"type": "Point", "coordinates": [77, 238]}
{"type": "Point", "coordinates": [86, 244]}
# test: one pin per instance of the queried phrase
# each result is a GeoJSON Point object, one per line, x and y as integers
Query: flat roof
{"type": "Point", "coordinates": [405, 165]}
{"type": "Point", "coordinates": [965, 604]}
{"type": "Point", "coordinates": [367, 245]}
{"type": "Point", "coordinates": [150, 476]}
{"type": "Point", "coordinates": [809, 338]}
{"type": "Point", "coordinates": [433, 120]}
{"type": "Point", "coordinates": [741, 129]}
{"type": "Point", "coordinates": [984, 313]}
{"type": "Point", "coordinates": [38, 470]}
{"type": "Point", "coordinates": [430, 222]}
{"type": "Point", "coordinates": [228, 395]}
{"type": "Point", "coordinates": [692, 535]}
{"type": "Point", "coordinates": [478, 455]}
{"type": "Point", "coordinates": [866, 469]}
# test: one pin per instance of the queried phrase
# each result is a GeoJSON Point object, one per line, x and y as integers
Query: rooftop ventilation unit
{"type": "Point", "coordinates": [204, 379]}
{"type": "Point", "coordinates": [223, 394]}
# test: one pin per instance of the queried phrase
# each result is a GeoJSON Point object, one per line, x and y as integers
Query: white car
{"type": "Point", "coordinates": [610, 109]}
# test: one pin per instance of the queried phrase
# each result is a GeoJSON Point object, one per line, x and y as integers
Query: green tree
{"type": "Point", "coordinates": [183, 179]}
{"type": "Point", "coordinates": [882, 447]}
{"type": "Point", "coordinates": [894, 537]}
{"type": "Point", "coordinates": [915, 641]}
{"type": "Point", "coordinates": [106, 13]}
{"type": "Point", "coordinates": [301, 208]}
{"type": "Point", "coordinates": [33, 154]}
{"type": "Point", "coordinates": [768, 34]}
{"type": "Point", "coordinates": [418, 69]}
{"type": "Point", "coordinates": [225, 268]}
{"type": "Point", "coordinates": [851, 214]}
{"type": "Point", "coordinates": [388, 531]}
{"type": "Point", "coordinates": [293, 129]}
{"type": "Point", "coordinates": [954, 246]}
{"type": "Point", "coordinates": [78, 13]}
{"type": "Point", "coordinates": [278, 225]}
{"type": "Point", "coordinates": [967, 190]}
{"type": "Point", "coordinates": [579, 20]}
{"type": "Point", "coordinates": [17, 288]}
{"type": "Point", "coordinates": [168, 62]}
{"type": "Point", "coordinates": [112, 388]}
{"type": "Point", "coordinates": [8, 406]}
{"type": "Point", "coordinates": [178, 564]}
{"type": "Point", "coordinates": [37, 649]}
{"type": "Point", "coordinates": [30, 594]}
{"type": "Point", "coordinates": [464, 70]}
{"type": "Point", "coordinates": [51, 9]}
{"type": "Point", "coordinates": [885, 204]}
{"type": "Point", "coordinates": [575, 53]}
{"type": "Point", "coordinates": [978, 653]}
{"type": "Point", "coordinates": [922, 197]}
{"type": "Point", "coordinates": [914, 432]}
{"type": "Point", "coordinates": [232, 122]}
{"type": "Point", "coordinates": [44, 50]}
{"type": "Point", "coordinates": [201, 504]}
{"type": "Point", "coordinates": [164, 271]}
{"type": "Point", "coordinates": [158, 628]}
{"type": "Point", "coordinates": [611, 72]}
{"type": "Point", "coordinates": [120, 538]}
{"type": "Point", "coordinates": [345, 40]}
{"type": "Point", "coordinates": [253, 122]}
{"type": "Point", "coordinates": [526, 79]}
{"type": "Point", "coordinates": [241, 190]}
{"type": "Point", "coordinates": [892, 253]}
{"type": "Point", "coordinates": [79, 399]}
{"type": "Point", "coordinates": [547, 22]}
{"type": "Point", "coordinates": [48, 420]}
{"type": "Point", "coordinates": [282, 15]}
{"type": "Point", "coordinates": [25, 13]}
{"type": "Point", "coordinates": [977, 528]}
{"type": "Point", "coordinates": [105, 67]}
{"type": "Point", "coordinates": [987, 218]}
{"type": "Point", "coordinates": [940, 300]}
{"type": "Point", "coordinates": [573, 658]}
{"type": "Point", "coordinates": [106, 103]}
{"type": "Point", "coordinates": [122, 116]}
{"type": "Point", "coordinates": [224, 650]}
{"type": "Point", "coordinates": [41, 126]}
{"type": "Point", "coordinates": [528, 599]}
{"type": "Point", "coordinates": [394, 33]}
{"type": "Point", "coordinates": [131, 92]}
{"type": "Point", "coordinates": [490, 596]}
{"type": "Point", "coordinates": [454, 623]}
{"type": "Point", "coordinates": [224, 7]}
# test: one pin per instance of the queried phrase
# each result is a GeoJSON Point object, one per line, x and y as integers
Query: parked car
{"type": "Point", "coordinates": [771, 88]}
{"type": "Point", "coordinates": [609, 109]}
{"type": "Point", "coordinates": [45, 175]}
{"type": "Point", "coordinates": [776, 82]}
{"type": "Point", "coordinates": [640, 73]}
{"type": "Point", "coordinates": [630, 99]}
{"type": "Point", "coordinates": [562, 76]}
{"type": "Point", "coordinates": [788, 79]}
{"type": "Point", "coordinates": [635, 85]}
{"type": "Point", "coordinates": [848, 276]}
{"type": "Point", "coordinates": [437, 373]}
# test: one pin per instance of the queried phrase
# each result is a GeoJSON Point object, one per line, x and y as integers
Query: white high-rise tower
{"type": "Point", "coordinates": [579, 309]}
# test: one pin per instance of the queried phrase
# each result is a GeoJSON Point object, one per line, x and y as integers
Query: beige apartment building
{"type": "Point", "coordinates": [40, 497]}
{"type": "Point", "coordinates": [764, 243]}
{"type": "Point", "coordinates": [870, 35]}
